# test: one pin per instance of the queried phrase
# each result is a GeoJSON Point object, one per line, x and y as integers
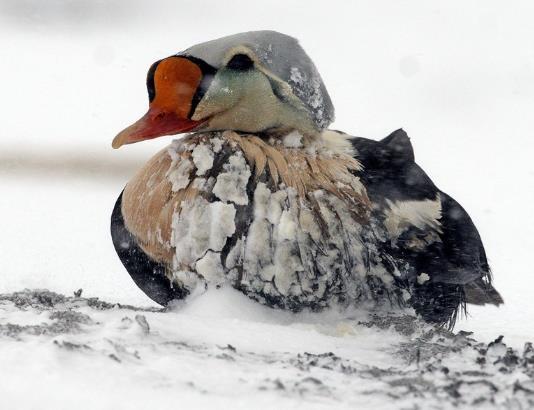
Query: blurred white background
{"type": "Point", "coordinates": [458, 76]}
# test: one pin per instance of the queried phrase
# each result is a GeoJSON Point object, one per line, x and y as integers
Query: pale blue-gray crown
{"type": "Point", "coordinates": [284, 57]}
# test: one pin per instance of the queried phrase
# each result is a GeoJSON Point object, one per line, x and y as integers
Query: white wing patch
{"type": "Point", "coordinates": [401, 215]}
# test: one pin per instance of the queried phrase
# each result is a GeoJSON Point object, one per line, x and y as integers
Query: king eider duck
{"type": "Point", "coordinates": [260, 195]}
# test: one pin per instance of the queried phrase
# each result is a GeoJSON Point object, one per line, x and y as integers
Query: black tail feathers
{"type": "Point", "coordinates": [480, 292]}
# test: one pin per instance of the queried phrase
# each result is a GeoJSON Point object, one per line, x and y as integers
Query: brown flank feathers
{"type": "Point", "coordinates": [149, 202]}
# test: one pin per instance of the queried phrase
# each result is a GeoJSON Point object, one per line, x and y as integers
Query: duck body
{"type": "Point", "coordinates": [261, 196]}
{"type": "Point", "coordinates": [296, 224]}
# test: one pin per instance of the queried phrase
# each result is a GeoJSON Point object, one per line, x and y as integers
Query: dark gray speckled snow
{"type": "Point", "coordinates": [418, 367]}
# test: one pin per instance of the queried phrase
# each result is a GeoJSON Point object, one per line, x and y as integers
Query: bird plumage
{"type": "Point", "coordinates": [289, 69]}
{"type": "Point", "coordinates": [261, 196]}
{"type": "Point", "coordinates": [454, 260]}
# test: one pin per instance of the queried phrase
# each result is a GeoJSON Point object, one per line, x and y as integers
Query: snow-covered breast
{"type": "Point", "coordinates": [286, 221]}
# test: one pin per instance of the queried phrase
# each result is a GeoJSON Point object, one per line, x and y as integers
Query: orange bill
{"type": "Point", "coordinates": [176, 80]}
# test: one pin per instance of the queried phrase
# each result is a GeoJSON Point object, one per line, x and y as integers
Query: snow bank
{"type": "Point", "coordinates": [222, 350]}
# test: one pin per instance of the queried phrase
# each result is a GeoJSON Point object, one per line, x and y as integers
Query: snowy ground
{"type": "Point", "coordinates": [210, 355]}
{"type": "Point", "coordinates": [458, 77]}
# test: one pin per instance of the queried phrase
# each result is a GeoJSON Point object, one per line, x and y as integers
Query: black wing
{"type": "Point", "coordinates": [445, 263]}
{"type": "Point", "coordinates": [147, 274]}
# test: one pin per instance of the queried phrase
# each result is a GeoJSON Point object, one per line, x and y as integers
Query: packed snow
{"type": "Point", "coordinates": [203, 158]}
{"type": "Point", "coordinates": [225, 351]}
{"type": "Point", "coordinates": [458, 77]}
{"type": "Point", "coordinates": [231, 185]}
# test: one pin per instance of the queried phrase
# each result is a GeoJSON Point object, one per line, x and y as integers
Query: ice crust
{"type": "Point", "coordinates": [201, 226]}
{"type": "Point", "coordinates": [231, 185]}
{"type": "Point", "coordinates": [203, 158]}
{"type": "Point", "coordinates": [269, 241]}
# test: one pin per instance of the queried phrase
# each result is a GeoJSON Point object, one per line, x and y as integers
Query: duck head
{"type": "Point", "coordinates": [254, 82]}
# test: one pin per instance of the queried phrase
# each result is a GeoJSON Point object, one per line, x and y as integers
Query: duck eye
{"type": "Point", "coordinates": [240, 62]}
